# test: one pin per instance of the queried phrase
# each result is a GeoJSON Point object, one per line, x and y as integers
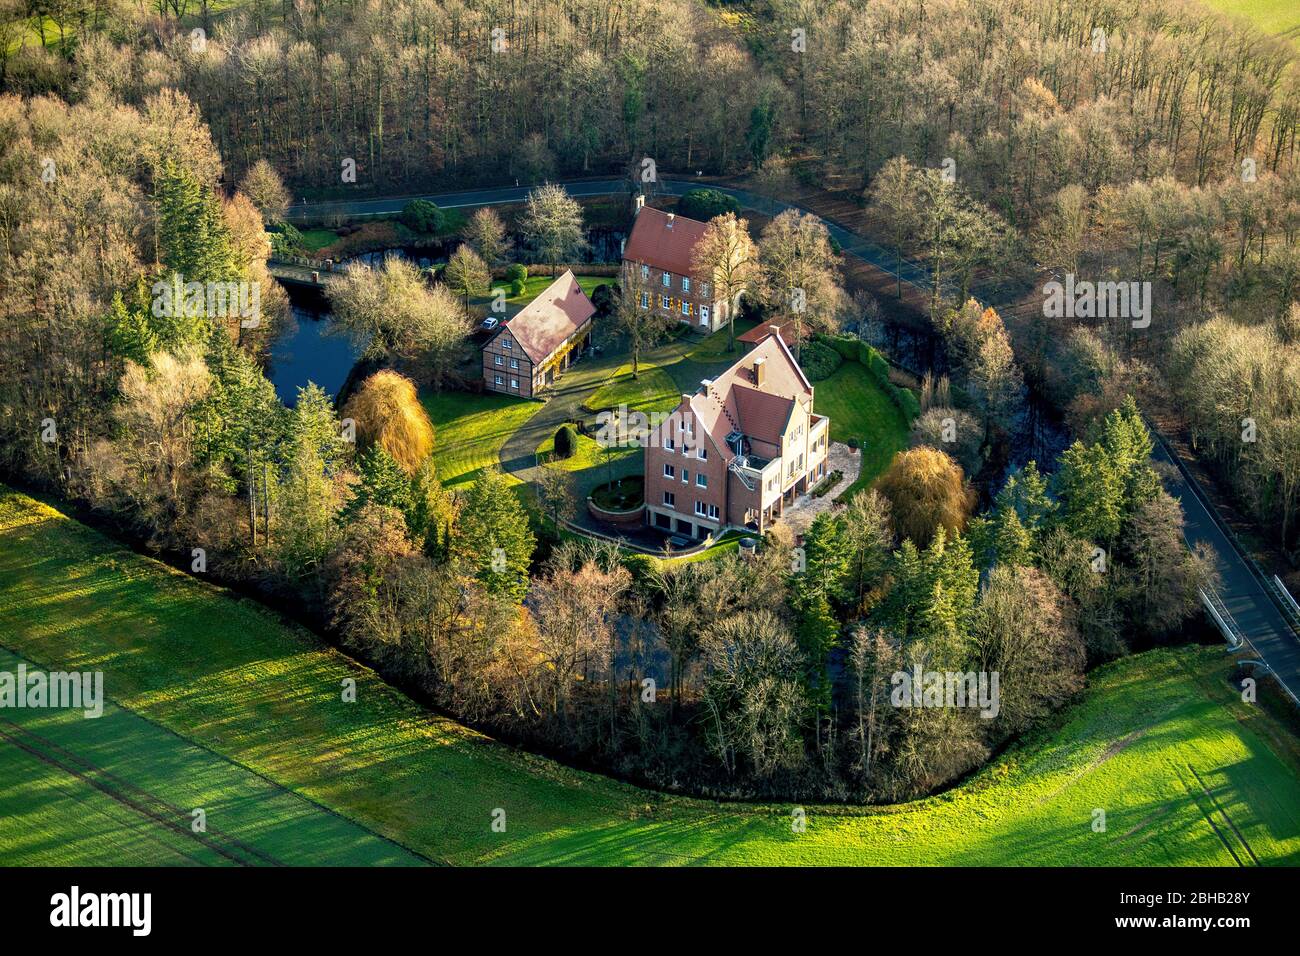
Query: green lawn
{"type": "Point", "coordinates": [316, 239]}
{"type": "Point", "coordinates": [257, 704]}
{"type": "Point", "coordinates": [713, 347]}
{"type": "Point", "coordinates": [859, 408]}
{"type": "Point", "coordinates": [1271, 16]}
{"type": "Point", "coordinates": [535, 285]}
{"type": "Point", "coordinates": [652, 391]}
{"type": "Point", "coordinates": [588, 455]}
{"type": "Point", "coordinates": [469, 430]}
{"type": "Point", "coordinates": [119, 789]}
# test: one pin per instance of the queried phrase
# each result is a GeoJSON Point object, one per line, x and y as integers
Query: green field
{"type": "Point", "coordinates": [1277, 17]}
{"type": "Point", "coordinates": [859, 408]}
{"type": "Point", "coordinates": [1184, 771]}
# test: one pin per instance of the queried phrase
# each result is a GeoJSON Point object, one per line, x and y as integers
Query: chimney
{"type": "Point", "coordinates": [760, 366]}
{"type": "Point", "coordinates": [705, 385]}
{"type": "Point", "coordinates": [638, 203]}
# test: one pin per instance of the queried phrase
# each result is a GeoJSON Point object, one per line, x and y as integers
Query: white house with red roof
{"type": "Point", "coordinates": [526, 353]}
{"type": "Point", "coordinates": [739, 451]}
{"type": "Point", "coordinates": [662, 248]}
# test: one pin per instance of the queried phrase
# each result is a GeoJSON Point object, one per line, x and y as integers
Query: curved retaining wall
{"type": "Point", "coordinates": [619, 519]}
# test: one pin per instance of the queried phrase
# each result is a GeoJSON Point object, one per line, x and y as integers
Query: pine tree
{"type": "Point", "coordinates": [128, 332]}
{"type": "Point", "coordinates": [383, 482]}
{"type": "Point", "coordinates": [1091, 487]}
{"type": "Point", "coordinates": [492, 536]}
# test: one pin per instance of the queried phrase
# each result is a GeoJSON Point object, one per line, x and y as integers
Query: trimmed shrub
{"type": "Point", "coordinates": [516, 272]}
{"type": "Point", "coordinates": [517, 287]}
{"type": "Point", "coordinates": [819, 361]}
{"type": "Point", "coordinates": [855, 350]}
{"type": "Point", "coordinates": [286, 240]}
{"type": "Point", "coordinates": [420, 215]}
{"type": "Point", "coordinates": [566, 441]}
{"type": "Point", "coordinates": [827, 483]}
{"type": "Point", "coordinates": [704, 204]}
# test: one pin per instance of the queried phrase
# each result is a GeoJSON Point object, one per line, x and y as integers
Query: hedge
{"type": "Point", "coordinates": [855, 350]}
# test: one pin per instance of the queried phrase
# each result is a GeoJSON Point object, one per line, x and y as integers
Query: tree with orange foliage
{"type": "Point", "coordinates": [387, 412]}
{"type": "Point", "coordinates": [926, 489]}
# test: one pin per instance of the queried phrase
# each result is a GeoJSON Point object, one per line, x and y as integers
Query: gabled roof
{"type": "Point", "coordinates": [763, 415]}
{"type": "Point", "coordinates": [664, 240]}
{"type": "Point", "coordinates": [733, 402]}
{"type": "Point", "coordinates": [544, 324]}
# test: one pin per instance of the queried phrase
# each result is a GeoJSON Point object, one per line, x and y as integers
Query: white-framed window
{"type": "Point", "coordinates": [667, 280]}
{"type": "Point", "coordinates": [500, 360]}
{"type": "Point", "coordinates": [704, 289]}
{"type": "Point", "coordinates": [645, 271]}
{"type": "Point", "coordinates": [701, 480]}
{"type": "Point", "coordinates": [670, 499]}
{"type": "Point", "coordinates": [514, 383]}
{"type": "Point", "coordinates": [704, 453]}
{"type": "Point", "coordinates": [713, 512]}
{"type": "Point", "coordinates": [508, 344]}
{"type": "Point", "coordinates": [704, 313]}
{"type": "Point", "coordinates": [514, 363]}
{"type": "Point", "coordinates": [665, 302]}
{"type": "Point", "coordinates": [669, 471]}
{"type": "Point", "coordinates": [686, 476]}
{"type": "Point", "coordinates": [686, 307]}
{"type": "Point", "coordinates": [645, 300]}
{"type": "Point", "coordinates": [668, 443]}
{"type": "Point", "coordinates": [686, 283]}
{"type": "Point", "coordinates": [700, 508]}
{"type": "Point", "coordinates": [500, 381]}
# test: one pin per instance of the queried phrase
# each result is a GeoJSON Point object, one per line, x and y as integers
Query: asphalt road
{"type": "Point", "coordinates": [1254, 611]}
{"type": "Point", "coordinates": [853, 244]}
{"type": "Point", "coordinates": [1243, 594]}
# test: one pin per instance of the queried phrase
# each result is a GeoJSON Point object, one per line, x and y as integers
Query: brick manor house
{"type": "Point", "coordinates": [662, 247]}
{"type": "Point", "coordinates": [739, 451]}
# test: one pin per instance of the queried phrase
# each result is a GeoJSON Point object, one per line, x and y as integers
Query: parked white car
{"type": "Point", "coordinates": [490, 323]}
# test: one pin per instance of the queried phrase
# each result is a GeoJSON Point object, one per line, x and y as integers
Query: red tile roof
{"type": "Point", "coordinates": [664, 241]}
{"type": "Point", "coordinates": [733, 402]}
{"type": "Point", "coordinates": [544, 324]}
{"type": "Point", "coordinates": [762, 415]}
{"type": "Point", "coordinates": [762, 331]}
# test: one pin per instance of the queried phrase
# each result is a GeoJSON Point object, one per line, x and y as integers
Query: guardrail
{"type": "Point", "coordinates": [1291, 608]}
{"type": "Point", "coordinates": [1219, 613]}
{"type": "Point", "coordinates": [1252, 565]}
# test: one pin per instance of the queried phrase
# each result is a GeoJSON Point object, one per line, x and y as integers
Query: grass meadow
{"type": "Point", "coordinates": [217, 703]}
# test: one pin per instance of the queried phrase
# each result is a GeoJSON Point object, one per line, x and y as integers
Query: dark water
{"type": "Point", "coordinates": [308, 351]}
